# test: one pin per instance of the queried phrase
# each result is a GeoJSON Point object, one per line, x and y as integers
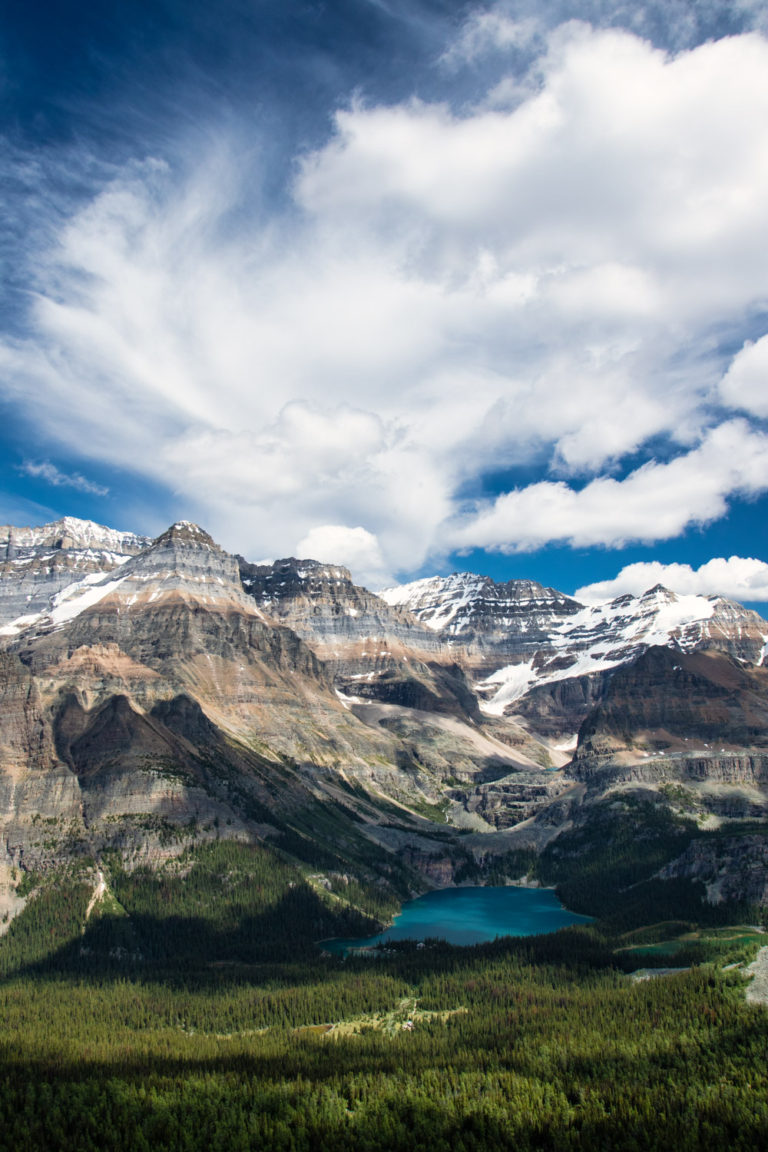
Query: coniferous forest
{"type": "Point", "coordinates": [192, 1008]}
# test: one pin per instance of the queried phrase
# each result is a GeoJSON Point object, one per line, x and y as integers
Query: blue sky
{"type": "Point", "coordinates": [408, 286]}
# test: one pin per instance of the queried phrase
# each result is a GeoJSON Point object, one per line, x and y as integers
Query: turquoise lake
{"type": "Point", "coordinates": [470, 916]}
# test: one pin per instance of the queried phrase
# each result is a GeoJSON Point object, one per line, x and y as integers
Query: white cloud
{"type": "Point", "coordinates": [48, 472]}
{"type": "Point", "coordinates": [675, 24]}
{"type": "Point", "coordinates": [737, 578]}
{"type": "Point", "coordinates": [655, 502]}
{"type": "Point", "coordinates": [493, 29]}
{"type": "Point", "coordinates": [450, 293]}
{"type": "Point", "coordinates": [355, 548]}
{"type": "Point", "coordinates": [745, 384]}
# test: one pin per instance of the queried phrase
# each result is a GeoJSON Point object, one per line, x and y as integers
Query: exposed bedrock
{"type": "Point", "coordinates": [25, 736]}
{"type": "Point", "coordinates": [730, 867]}
{"type": "Point", "coordinates": [560, 707]}
{"type": "Point", "coordinates": [672, 701]}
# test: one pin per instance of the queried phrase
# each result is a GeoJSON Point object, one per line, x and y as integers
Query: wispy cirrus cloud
{"type": "Point", "coordinates": [446, 291]}
{"type": "Point", "coordinates": [44, 470]}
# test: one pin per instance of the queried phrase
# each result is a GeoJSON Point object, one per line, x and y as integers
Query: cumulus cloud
{"type": "Point", "coordinates": [355, 548]}
{"type": "Point", "coordinates": [655, 502]}
{"type": "Point", "coordinates": [737, 578]}
{"type": "Point", "coordinates": [745, 384]}
{"type": "Point", "coordinates": [48, 472]}
{"type": "Point", "coordinates": [449, 292]}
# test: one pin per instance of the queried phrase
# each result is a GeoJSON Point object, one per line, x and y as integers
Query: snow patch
{"type": "Point", "coordinates": [76, 598]}
{"type": "Point", "coordinates": [514, 681]}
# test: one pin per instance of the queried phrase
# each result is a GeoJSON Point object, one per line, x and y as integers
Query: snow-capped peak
{"type": "Point", "coordinates": [71, 533]}
{"type": "Point", "coordinates": [600, 637]}
{"type": "Point", "coordinates": [465, 601]}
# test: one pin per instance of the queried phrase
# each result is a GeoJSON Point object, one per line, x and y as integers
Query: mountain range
{"type": "Point", "coordinates": [157, 694]}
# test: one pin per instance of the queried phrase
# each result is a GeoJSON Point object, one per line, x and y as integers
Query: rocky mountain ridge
{"type": "Point", "coordinates": [70, 533]}
{"type": "Point", "coordinates": [38, 564]}
{"type": "Point", "coordinates": [173, 689]}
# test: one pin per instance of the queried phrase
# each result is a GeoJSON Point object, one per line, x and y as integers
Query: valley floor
{"type": "Point", "coordinates": [543, 1043]}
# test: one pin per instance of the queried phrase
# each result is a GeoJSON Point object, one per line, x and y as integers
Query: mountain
{"type": "Point", "coordinates": [157, 703]}
{"type": "Point", "coordinates": [36, 564]}
{"type": "Point", "coordinates": [530, 639]}
{"type": "Point", "coordinates": [489, 619]}
{"type": "Point", "coordinates": [156, 695]}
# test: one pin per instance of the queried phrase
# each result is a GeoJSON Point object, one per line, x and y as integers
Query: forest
{"type": "Point", "coordinates": [192, 1008]}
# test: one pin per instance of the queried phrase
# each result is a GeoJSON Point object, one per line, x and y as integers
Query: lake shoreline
{"type": "Point", "coordinates": [464, 915]}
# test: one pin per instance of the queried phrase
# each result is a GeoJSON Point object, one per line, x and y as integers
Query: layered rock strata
{"type": "Point", "coordinates": [373, 651]}
{"type": "Point", "coordinates": [36, 564]}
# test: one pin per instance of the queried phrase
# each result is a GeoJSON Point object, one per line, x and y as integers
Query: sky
{"type": "Point", "coordinates": [413, 286]}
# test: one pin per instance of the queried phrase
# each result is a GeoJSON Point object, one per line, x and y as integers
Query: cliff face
{"type": "Point", "coordinates": [730, 867]}
{"type": "Point", "coordinates": [494, 622]}
{"type": "Point", "coordinates": [25, 737]}
{"type": "Point", "coordinates": [668, 701]}
{"type": "Point", "coordinates": [36, 564]}
{"type": "Point", "coordinates": [373, 651]}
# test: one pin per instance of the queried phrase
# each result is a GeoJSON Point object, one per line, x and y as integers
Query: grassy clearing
{"type": "Point", "coordinates": [731, 945]}
{"type": "Point", "coordinates": [402, 1018]}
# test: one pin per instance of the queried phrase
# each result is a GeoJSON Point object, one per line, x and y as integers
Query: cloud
{"type": "Point", "coordinates": [53, 475]}
{"type": "Point", "coordinates": [355, 548]}
{"type": "Point", "coordinates": [737, 578]}
{"type": "Point", "coordinates": [745, 384]}
{"type": "Point", "coordinates": [655, 502]}
{"type": "Point", "coordinates": [445, 292]}
{"type": "Point", "coordinates": [674, 25]}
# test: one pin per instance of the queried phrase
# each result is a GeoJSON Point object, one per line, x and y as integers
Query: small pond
{"type": "Point", "coordinates": [470, 916]}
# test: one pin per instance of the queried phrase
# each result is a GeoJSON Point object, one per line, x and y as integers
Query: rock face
{"type": "Point", "coordinates": [25, 740]}
{"type": "Point", "coordinates": [730, 867]}
{"type": "Point", "coordinates": [513, 798]}
{"type": "Point", "coordinates": [495, 623]}
{"type": "Point", "coordinates": [38, 563]}
{"type": "Point", "coordinates": [323, 606]}
{"type": "Point", "coordinates": [668, 701]}
{"type": "Point", "coordinates": [155, 692]}
{"type": "Point", "coordinates": [374, 651]}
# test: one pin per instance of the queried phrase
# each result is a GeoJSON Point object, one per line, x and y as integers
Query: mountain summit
{"type": "Point", "coordinates": [151, 697]}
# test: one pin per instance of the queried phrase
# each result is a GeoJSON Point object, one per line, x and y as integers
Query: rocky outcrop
{"type": "Point", "coordinates": [25, 737]}
{"type": "Point", "coordinates": [37, 564]}
{"type": "Point", "coordinates": [438, 868]}
{"type": "Point", "coordinates": [556, 709]}
{"type": "Point", "coordinates": [732, 868]}
{"type": "Point", "coordinates": [513, 798]}
{"type": "Point", "coordinates": [321, 604]}
{"type": "Point", "coordinates": [669, 700]}
{"type": "Point", "coordinates": [605, 771]}
{"type": "Point", "coordinates": [373, 651]}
